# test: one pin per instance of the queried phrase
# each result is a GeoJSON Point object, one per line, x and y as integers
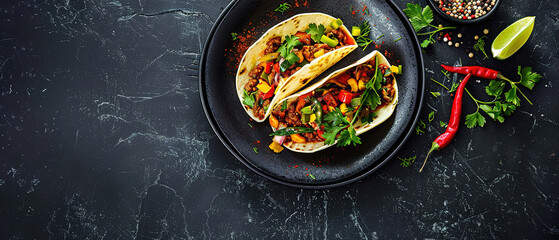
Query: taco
{"type": "Point", "coordinates": [336, 109]}
{"type": "Point", "coordinates": [287, 57]}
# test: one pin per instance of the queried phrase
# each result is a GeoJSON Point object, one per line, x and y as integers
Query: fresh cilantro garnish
{"type": "Point", "coordinates": [421, 18]}
{"type": "Point", "coordinates": [363, 40]}
{"type": "Point", "coordinates": [284, 106]}
{"type": "Point", "coordinates": [285, 51]}
{"type": "Point", "coordinates": [480, 46]}
{"type": "Point", "coordinates": [369, 118]}
{"type": "Point", "coordinates": [527, 77]}
{"type": "Point", "coordinates": [234, 36]}
{"type": "Point", "coordinates": [406, 162]}
{"type": "Point", "coordinates": [443, 124]}
{"type": "Point", "coordinates": [283, 7]}
{"type": "Point", "coordinates": [348, 136]}
{"type": "Point", "coordinates": [255, 149]}
{"type": "Point", "coordinates": [316, 32]}
{"type": "Point", "coordinates": [248, 99]}
{"type": "Point", "coordinates": [431, 116]}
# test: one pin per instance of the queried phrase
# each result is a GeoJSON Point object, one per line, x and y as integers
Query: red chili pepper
{"type": "Point", "coordinates": [476, 71]}
{"type": "Point", "coordinates": [268, 68]}
{"type": "Point", "coordinates": [276, 68]}
{"type": "Point", "coordinates": [345, 96]}
{"type": "Point", "coordinates": [444, 139]}
{"type": "Point", "coordinates": [269, 94]}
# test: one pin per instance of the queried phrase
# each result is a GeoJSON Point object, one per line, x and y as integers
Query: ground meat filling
{"type": "Point", "coordinates": [308, 52]}
{"type": "Point", "coordinates": [328, 97]}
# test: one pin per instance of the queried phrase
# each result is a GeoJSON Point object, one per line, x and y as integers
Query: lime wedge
{"type": "Point", "coordinates": [512, 38]}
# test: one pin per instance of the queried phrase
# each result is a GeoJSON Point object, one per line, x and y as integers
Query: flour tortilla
{"type": "Point", "coordinates": [383, 113]}
{"type": "Point", "coordinates": [307, 73]}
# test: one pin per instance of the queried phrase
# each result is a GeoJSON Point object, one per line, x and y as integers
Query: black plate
{"type": "Point", "coordinates": [333, 166]}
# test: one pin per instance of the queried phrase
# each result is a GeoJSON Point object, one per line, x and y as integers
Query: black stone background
{"type": "Point", "coordinates": [102, 136]}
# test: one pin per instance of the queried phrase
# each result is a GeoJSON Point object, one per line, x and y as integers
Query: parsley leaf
{"type": "Point", "coordinates": [330, 134]}
{"type": "Point", "coordinates": [369, 118]}
{"type": "Point", "coordinates": [406, 162]}
{"type": "Point", "coordinates": [495, 88]}
{"type": "Point", "coordinates": [508, 108]}
{"type": "Point", "coordinates": [443, 124]}
{"type": "Point", "coordinates": [436, 94]}
{"type": "Point", "coordinates": [475, 119]}
{"type": "Point", "coordinates": [248, 99]}
{"type": "Point", "coordinates": [419, 18]}
{"type": "Point", "coordinates": [527, 77]}
{"type": "Point", "coordinates": [284, 106]}
{"type": "Point", "coordinates": [480, 46]}
{"type": "Point", "coordinates": [431, 116]}
{"type": "Point", "coordinates": [290, 59]}
{"type": "Point", "coordinates": [234, 36]}
{"type": "Point", "coordinates": [454, 87]}
{"type": "Point", "coordinates": [494, 113]}
{"type": "Point", "coordinates": [348, 136]}
{"type": "Point", "coordinates": [425, 43]}
{"type": "Point", "coordinates": [289, 43]}
{"type": "Point", "coordinates": [315, 32]}
{"type": "Point", "coordinates": [255, 149]}
{"type": "Point", "coordinates": [511, 96]}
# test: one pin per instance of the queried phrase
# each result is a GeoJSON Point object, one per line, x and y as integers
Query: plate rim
{"type": "Point", "coordinates": [358, 176]}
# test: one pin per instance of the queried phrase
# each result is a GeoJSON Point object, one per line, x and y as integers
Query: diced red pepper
{"type": "Point", "coordinates": [345, 96]}
{"type": "Point", "coordinates": [330, 100]}
{"type": "Point", "coordinates": [268, 68]}
{"type": "Point", "coordinates": [276, 68]}
{"type": "Point", "coordinates": [267, 95]}
{"type": "Point", "coordinates": [304, 37]}
{"type": "Point", "coordinates": [324, 108]}
{"type": "Point", "coordinates": [319, 133]}
{"type": "Point", "coordinates": [343, 78]}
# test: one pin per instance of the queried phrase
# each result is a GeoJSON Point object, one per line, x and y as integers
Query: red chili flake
{"type": "Point", "coordinates": [307, 174]}
{"type": "Point", "coordinates": [382, 42]}
{"type": "Point", "coordinates": [288, 165]}
{"type": "Point", "coordinates": [306, 169]}
{"type": "Point", "coordinates": [387, 18]}
{"type": "Point", "coordinates": [296, 166]}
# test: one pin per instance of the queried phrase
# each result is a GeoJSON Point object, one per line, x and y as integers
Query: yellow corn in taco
{"type": "Point", "coordinates": [338, 108]}
{"type": "Point", "coordinates": [287, 57]}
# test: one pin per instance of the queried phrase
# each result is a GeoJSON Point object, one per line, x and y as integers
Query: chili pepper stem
{"type": "Point", "coordinates": [434, 147]}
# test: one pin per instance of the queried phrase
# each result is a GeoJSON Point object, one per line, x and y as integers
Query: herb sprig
{"type": "Point", "coordinates": [283, 7]}
{"type": "Point", "coordinates": [363, 40]}
{"type": "Point", "coordinates": [504, 103]}
{"type": "Point", "coordinates": [480, 46]}
{"type": "Point", "coordinates": [285, 51]}
{"type": "Point", "coordinates": [406, 162]}
{"type": "Point", "coordinates": [421, 18]}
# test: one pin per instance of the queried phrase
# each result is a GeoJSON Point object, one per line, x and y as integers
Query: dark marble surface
{"type": "Point", "coordinates": [102, 136]}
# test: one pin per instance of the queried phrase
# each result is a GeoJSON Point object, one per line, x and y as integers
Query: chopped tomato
{"type": "Point", "coordinates": [305, 96]}
{"type": "Point", "coordinates": [268, 68]}
{"type": "Point", "coordinates": [330, 100]}
{"type": "Point", "coordinates": [319, 133]}
{"type": "Point", "coordinates": [343, 78]}
{"type": "Point", "coordinates": [267, 95]}
{"type": "Point", "coordinates": [276, 68]}
{"type": "Point", "coordinates": [345, 96]}
{"type": "Point", "coordinates": [304, 38]}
